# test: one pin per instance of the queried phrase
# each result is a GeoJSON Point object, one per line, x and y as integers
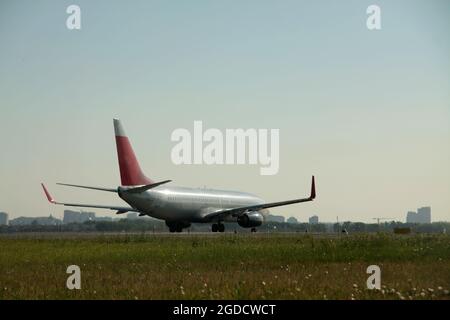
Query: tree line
{"type": "Point", "coordinates": [153, 225]}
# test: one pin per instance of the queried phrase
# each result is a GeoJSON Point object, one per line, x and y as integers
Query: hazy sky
{"type": "Point", "coordinates": [367, 112]}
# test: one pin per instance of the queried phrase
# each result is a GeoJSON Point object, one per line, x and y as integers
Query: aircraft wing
{"type": "Point", "coordinates": [241, 210]}
{"type": "Point", "coordinates": [118, 209]}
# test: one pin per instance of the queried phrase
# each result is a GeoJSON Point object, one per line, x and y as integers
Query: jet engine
{"type": "Point", "coordinates": [250, 220]}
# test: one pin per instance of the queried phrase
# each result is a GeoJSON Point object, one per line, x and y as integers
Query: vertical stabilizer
{"type": "Point", "coordinates": [130, 171]}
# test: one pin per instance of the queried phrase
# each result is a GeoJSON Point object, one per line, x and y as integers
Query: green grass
{"type": "Point", "coordinates": [225, 266]}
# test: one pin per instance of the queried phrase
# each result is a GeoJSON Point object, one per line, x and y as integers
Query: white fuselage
{"type": "Point", "coordinates": [187, 204]}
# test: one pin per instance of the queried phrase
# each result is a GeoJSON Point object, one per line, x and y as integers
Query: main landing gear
{"type": "Point", "coordinates": [177, 226]}
{"type": "Point", "coordinates": [253, 230]}
{"type": "Point", "coordinates": [175, 229]}
{"type": "Point", "coordinates": [218, 227]}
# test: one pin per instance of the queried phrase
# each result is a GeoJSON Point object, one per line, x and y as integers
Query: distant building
{"type": "Point", "coordinates": [103, 219]}
{"type": "Point", "coordinates": [42, 221]}
{"type": "Point", "coordinates": [314, 220]}
{"type": "Point", "coordinates": [411, 217]}
{"type": "Point", "coordinates": [273, 218]}
{"type": "Point", "coordinates": [3, 218]}
{"type": "Point", "coordinates": [71, 216]}
{"type": "Point", "coordinates": [423, 215]}
{"type": "Point", "coordinates": [132, 216]}
{"type": "Point", "coordinates": [87, 216]}
{"type": "Point", "coordinates": [292, 220]}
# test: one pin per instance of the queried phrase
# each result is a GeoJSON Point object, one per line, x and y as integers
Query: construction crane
{"type": "Point", "coordinates": [378, 219]}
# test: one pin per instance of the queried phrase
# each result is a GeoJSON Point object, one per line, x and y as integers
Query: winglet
{"type": "Point", "coordinates": [313, 189]}
{"type": "Point", "coordinates": [47, 194]}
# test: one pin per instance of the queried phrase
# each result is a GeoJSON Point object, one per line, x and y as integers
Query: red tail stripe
{"type": "Point", "coordinates": [130, 171]}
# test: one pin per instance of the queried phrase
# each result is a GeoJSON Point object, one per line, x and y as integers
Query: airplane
{"type": "Point", "coordinates": [179, 207]}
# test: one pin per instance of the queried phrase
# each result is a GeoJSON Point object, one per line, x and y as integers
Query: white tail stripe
{"type": "Point", "coordinates": [118, 129]}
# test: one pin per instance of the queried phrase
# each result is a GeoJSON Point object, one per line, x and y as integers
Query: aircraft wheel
{"type": "Point", "coordinates": [221, 227]}
{"type": "Point", "coordinates": [172, 229]}
{"type": "Point", "coordinates": [253, 230]}
{"type": "Point", "coordinates": [214, 227]}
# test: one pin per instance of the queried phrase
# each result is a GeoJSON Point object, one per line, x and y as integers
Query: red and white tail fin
{"type": "Point", "coordinates": [130, 171]}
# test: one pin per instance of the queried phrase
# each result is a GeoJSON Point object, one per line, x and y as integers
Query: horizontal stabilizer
{"type": "Point", "coordinates": [117, 208]}
{"type": "Point", "coordinates": [146, 187]}
{"type": "Point", "coordinates": [87, 187]}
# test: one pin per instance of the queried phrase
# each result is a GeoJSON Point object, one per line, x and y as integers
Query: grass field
{"type": "Point", "coordinates": [225, 266]}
